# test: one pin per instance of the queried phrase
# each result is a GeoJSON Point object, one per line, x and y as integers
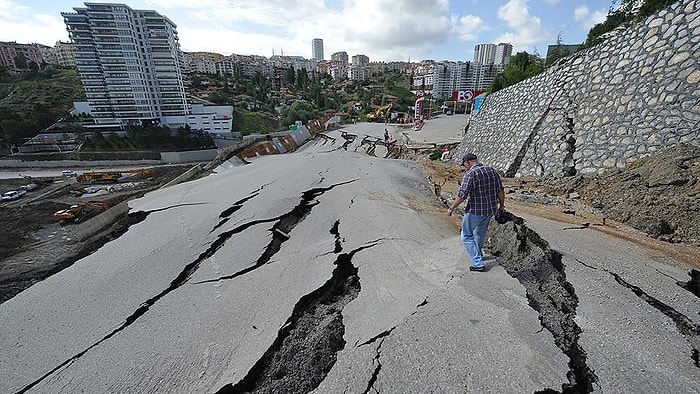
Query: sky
{"type": "Point", "coordinates": [383, 30]}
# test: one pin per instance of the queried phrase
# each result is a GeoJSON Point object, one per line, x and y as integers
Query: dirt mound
{"type": "Point", "coordinates": [657, 194]}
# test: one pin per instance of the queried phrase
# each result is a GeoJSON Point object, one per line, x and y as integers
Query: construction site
{"type": "Point", "coordinates": [40, 229]}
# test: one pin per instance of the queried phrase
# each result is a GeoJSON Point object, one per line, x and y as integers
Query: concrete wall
{"type": "Point", "coordinates": [12, 163]}
{"type": "Point", "coordinates": [603, 107]}
{"type": "Point", "coordinates": [188, 156]}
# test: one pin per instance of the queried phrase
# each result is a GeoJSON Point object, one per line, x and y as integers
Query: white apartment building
{"type": "Point", "coordinates": [65, 54]}
{"type": "Point", "coordinates": [492, 53]}
{"type": "Point", "coordinates": [359, 69]}
{"type": "Point", "coordinates": [129, 62]}
{"type": "Point", "coordinates": [360, 60]}
{"type": "Point", "coordinates": [503, 53]}
{"type": "Point", "coordinates": [443, 79]}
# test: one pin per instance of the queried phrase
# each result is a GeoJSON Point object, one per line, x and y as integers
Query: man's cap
{"type": "Point", "coordinates": [468, 156]}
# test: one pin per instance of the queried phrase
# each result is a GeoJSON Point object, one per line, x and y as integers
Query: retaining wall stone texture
{"type": "Point", "coordinates": [601, 108]}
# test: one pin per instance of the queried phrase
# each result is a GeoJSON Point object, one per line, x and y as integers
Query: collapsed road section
{"type": "Point", "coordinates": [286, 221]}
{"type": "Point", "coordinates": [307, 344]}
{"type": "Point", "coordinates": [529, 259]}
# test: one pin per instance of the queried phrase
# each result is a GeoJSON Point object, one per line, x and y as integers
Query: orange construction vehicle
{"type": "Point", "coordinates": [79, 212]}
{"type": "Point", "coordinates": [99, 177]}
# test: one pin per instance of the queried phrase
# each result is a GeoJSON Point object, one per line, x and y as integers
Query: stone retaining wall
{"type": "Point", "coordinates": [601, 108]}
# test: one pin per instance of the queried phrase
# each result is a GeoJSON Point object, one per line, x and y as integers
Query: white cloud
{"type": "Point", "coordinates": [588, 19]}
{"type": "Point", "coordinates": [380, 29]}
{"type": "Point", "coordinates": [9, 7]}
{"type": "Point", "coordinates": [527, 29]}
{"type": "Point", "coordinates": [467, 26]}
{"type": "Point", "coordinates": [20, 25]}
{"type": "Point", "coordinates": [580, 13]}
{"type": "Point", "coordinates": [598, 17]}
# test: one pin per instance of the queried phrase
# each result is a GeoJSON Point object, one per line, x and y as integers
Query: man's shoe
{"type": "Point", "coordinates": [477, 269]}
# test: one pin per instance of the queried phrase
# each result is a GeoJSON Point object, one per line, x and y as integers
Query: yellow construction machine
{"type": "Point", "coordinates": [99, 177]}
{"type": "Point", "coordinates": [81, 211]}
{"type": "Point", "coordinates": [380, 114]}
{"type": "Point", "coordinates": [111, 176]}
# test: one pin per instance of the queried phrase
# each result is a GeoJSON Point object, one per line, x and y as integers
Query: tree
{"type": "Point", "coordinates": [302, 79]}
{"type": "Point", "coordinates": [21, 62]}
{"type": "Point", "coordinates": [290, 75]}
{"type": "Point", "coordinates": [299, 110]}
{"type": "Point", "coordinates": [629, 11]}
{"type": "Point", "coordinates": [521, 66]}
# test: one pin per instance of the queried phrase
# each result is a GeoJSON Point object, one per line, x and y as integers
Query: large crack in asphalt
{"type": "Point", "coordinates": [529, 259]}
{"type": "Point", "coordinates": [284, 224]}
{"type": "Point", "coordinates": [306, 346]}
{"type": "Point", "coordinates": [377, 357]}
{"type": "Point", "coordinates": [684, 325]}
{"type": "Point", "coordinates": [225, 215]}
{"type": "Point", "coordinates": [298, 213]}
{"type": "Point", "coordinates": [693, 285]}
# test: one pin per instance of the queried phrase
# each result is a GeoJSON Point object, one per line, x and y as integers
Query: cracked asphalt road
{"type": "Point", "coordinates": [327, 270]}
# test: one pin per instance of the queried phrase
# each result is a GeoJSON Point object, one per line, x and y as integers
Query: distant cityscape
{"type": "Point", "coordinates": [133, 70]}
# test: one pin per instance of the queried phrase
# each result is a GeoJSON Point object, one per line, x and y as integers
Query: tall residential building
{"type": "Point", "coordinates": [446, 78]}
{"type": "Point", "coordinates": [493, 54]}
{"type": "Point", "coordinates": [485, 53]}
{"type": "Point", "coordinates": [359, 69]}
{"type": "Point", "coordinates": [503, 53]}
{"type": "Point", "coordinates": [317, 49]}
{"type": "Point", "coordinates": [129, 62]}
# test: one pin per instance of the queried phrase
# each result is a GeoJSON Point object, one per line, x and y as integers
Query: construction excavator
{"type": "Point", "coordinates": [110, 176]}
{"type": "Point", "coordinates": [81, 211]}
{"type": "Point", "coordinates": [380, 114]}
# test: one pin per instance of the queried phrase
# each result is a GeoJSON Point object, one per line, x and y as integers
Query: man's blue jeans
{"type": "Point", "coordinates": [473, 234]}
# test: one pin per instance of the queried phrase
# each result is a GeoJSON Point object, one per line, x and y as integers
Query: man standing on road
{"type": "Point", "coordinates": [483, 190]}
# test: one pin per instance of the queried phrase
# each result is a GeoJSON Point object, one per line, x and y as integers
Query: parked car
{"type": "Point", "coordinates": [29, 187]}
{"type": "Point", "coordinates": [69, 173]}
{"type": "Point", "coordinates": [13, 194]}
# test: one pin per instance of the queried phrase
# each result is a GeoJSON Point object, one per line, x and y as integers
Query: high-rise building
{"type": "Point", "coordinates": [492, 53]}
{"type": "Point", "coordinates": [503, 53]}
{"type": "Point", "coordinates": [446, 78]}
{"type": "Point", "coordinates": [129, 62]}
{"type": "Point", "coordinates": [317, 49]}
{"type": "Point", "coordinates": [484, 53]}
